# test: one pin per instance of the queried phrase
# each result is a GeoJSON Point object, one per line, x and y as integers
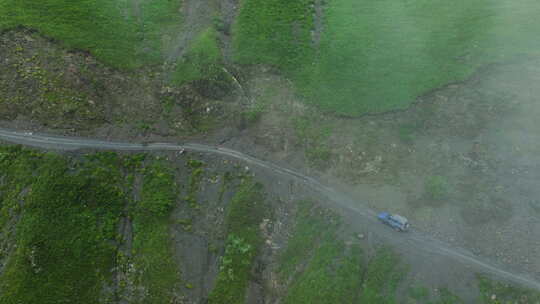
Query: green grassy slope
{"type": "Point", "coordinates": [118, 33]}
{"type": "Point", "coordinates": [59, 235]}
{"type": "Point", "coordinates": [66, 228]}
{"type": "Point", "coordinates": [203, 60]}
{"type": "Point", "coordinates": [153, 254]}
{"type": "Point", "coordinates": [319, 268]}
{"type": "Point", "coordinates": [493, 292]}
{"type": "Point", "coordinates": [376, 56]}
{"type": "Point", "coordinates": [245, 213]}
{"type": "Point", "coordinates": [372, 56]}
{"type": "Point", "coordinates": [322, 269]}
{"type": "Point", "coordinates": [274, 32]}
{"type": "Point", "coordinates": [59, 240]}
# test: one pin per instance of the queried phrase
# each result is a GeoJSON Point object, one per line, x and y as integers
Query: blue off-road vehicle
{"type": "Point", "coordinates": [398, 222]}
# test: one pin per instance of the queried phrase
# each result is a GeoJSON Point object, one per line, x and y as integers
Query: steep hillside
{"type": "Point", "coordinates": [424, 108]}
{"type": "Point", "coordinates": [355, 57]}
{"type": "Point", "coordinates": [45, 86]}
{"type": "Point", "coordinates": [110, 228]}
{"type": "Point", "coordinates": [344, 57]}
{"type": "Point", "coordinates": [171, 228]}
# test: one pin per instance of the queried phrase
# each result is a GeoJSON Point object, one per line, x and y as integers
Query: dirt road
{"type": "Point", "coordinates": [415, 240]}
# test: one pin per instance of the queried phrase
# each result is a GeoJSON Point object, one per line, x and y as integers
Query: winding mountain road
{"type": "Point", "coordinates": [414, 239]}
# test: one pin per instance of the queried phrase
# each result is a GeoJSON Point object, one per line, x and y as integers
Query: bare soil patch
{"type": "Point", "coordinates": [47, 88]}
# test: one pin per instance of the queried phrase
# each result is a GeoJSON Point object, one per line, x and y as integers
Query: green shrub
{"type": "Point", "coordinates": [253, 114]}
{"type": "Point", "coordinates": [158, 192]}
{"type": "Point", "coordinates": [436, 187]}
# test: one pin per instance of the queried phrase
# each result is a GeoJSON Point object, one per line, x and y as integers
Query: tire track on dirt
{"type": "Point", "coordinates": [414, 239]}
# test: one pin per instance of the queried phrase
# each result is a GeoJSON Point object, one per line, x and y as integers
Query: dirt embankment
{"type": "Point", "coordinates": [46, 87]}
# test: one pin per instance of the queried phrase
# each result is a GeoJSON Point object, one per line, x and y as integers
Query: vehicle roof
{"type": "Point", "coordinates": [400, 218]}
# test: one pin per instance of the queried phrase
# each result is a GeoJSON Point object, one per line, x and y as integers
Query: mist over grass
{"type": "Point", "coordinates": [120, 33]}
{"type": "Point", "coordinates": [376, 56]}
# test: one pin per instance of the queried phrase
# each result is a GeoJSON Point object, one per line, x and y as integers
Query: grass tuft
{"type": "Point", "coordinates": [493, 292]}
